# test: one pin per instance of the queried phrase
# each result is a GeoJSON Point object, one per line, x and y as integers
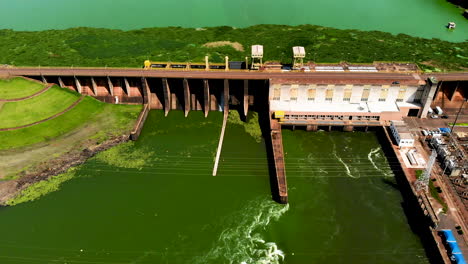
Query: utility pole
{"type": "Point", "coordinates": [422, 183]}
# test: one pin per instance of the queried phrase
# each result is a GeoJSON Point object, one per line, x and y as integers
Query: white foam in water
{"type": "Point", "coordinates": [375, 152]}
{"type": "Point", "coordinates": [369, 156]}
{"type": "Point", "coordinates": [242, 243]}
{"type": "Point", "coordinates": [348, 171]}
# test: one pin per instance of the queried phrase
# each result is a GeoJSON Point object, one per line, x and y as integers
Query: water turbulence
{"type": "Point", "coordinates": [241, 241]}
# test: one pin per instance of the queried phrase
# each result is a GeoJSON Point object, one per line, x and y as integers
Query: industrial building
{"type": "Point", "coordinates": [401, 134]}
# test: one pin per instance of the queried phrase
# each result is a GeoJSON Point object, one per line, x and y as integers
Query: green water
{"type": "Point", "coordinates": [344, 206]}
{"type": "Point", "coordinates": [424, 18]}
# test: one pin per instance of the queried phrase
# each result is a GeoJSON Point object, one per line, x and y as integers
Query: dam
{"type": "Point", "coordinates": [344, 96]}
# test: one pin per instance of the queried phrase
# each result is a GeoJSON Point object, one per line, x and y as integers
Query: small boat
{"type": "Point", "coordinates": [451, 25]}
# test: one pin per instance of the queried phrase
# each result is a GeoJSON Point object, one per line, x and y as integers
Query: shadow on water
{"type": "Point", "coordinates": [261, 106]}
{"type": "Point", "coordinates": [418, 222]}
{"type": "Point", "coordinates": [391, 183]}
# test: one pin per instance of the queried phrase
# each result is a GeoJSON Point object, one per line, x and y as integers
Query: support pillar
{"type": "Point", "coordinates": [167, 96]}
{"type": "Point", "coordinates": [44, 80]}
{"type": "Point", "coordinates": [226, 96]}
{"type": "Point", "coordinates": [207, 101]}
{"type": "Point", "coordinates": [246, 97]}
{"type": "Point", "coordinates": [427, 96]}
{"type": "Point", "coordinates": [348, 128]}
{"type": "Point", "coordinates": [78, 85]}
{"type": "Point", "coordinates": [186, 97]}
{"type": "Point", "coordinates": [94, 86]}
{"type": "Point", "coordinates": [127, 86]}
{"type": "Point", "coordinates": [454, 91]}
{"type": "Point", "coordinates": [146, 91]}
{"type": "Point", "coordinates": [111, 86]}
{"type": "Point", "coordinates": [61, 84]}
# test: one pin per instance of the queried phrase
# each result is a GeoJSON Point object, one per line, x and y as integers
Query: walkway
{"type": "Point", "coordinates": [46, 119]}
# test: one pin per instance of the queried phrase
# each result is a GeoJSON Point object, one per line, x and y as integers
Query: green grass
{"type": "Point", "coordinates": [459, 124]}
{"type": "Point", "coordinates": [18, 88]}
{"type": "Point", "coordinates": [435, 195]}
{"type": "Point", "coordinates": [85, 113]}
{"type": "Point", "coordinates": [419, 174]}
{"type": "Point", "coordinates": [36, 108]}
{"type": "Point", "coordinates": [117, 48]}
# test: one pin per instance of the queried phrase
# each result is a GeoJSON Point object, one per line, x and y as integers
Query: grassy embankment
{"type": "Point", "coordinates": [36, 108]}
{"type": "Point", "coordinates": [89, 123]}
{"type": "Point", "coordinates": [116, 48]}
{"type": "Point", "coordinates": [18, 88]}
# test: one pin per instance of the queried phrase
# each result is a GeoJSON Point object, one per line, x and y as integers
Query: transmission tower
{"type": "Point", "coordinates": [423, 182]}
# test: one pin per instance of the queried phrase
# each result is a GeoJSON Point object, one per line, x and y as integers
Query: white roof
{"type": "Point", "coordinates": [299, 52]}
{"type": "Point", "coordinates": [257, 51]}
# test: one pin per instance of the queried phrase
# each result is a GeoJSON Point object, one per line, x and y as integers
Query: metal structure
{"type": "Point", "coordinates": [299, 55]}
{"type": "Point", "coordinates": [257, 57]}
{"type": "Point", "coordinates": [423, 183]}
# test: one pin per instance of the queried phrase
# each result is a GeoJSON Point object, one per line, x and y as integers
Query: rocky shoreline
{"type": "Point", "coordinates": [10, 188]}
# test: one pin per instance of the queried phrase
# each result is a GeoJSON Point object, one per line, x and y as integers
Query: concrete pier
{"type": "Point", "coordinates": [60, 82]}
{"type": "Point", "coordinates": [94, 86]}
{"type": "Point", "coordinates": [311, 128]}
{"type": "Point", "coordinates": [280, 170]}
{"type": "Point", "coordinates": [78, 85]}
{"type": "Point", "coordinates": [206, 93]}
{"type": "Point", "coordinates": [110, 85]}
{"type": "Point", "coordinates": [246, 97]}
{"type": "Point", "coordinates": [186, 97]}
{"type": "Point", "coordinates": [127, 86]}
{"type": "Point", "coordinates": [348, 128]}
{"type": "Point", "coordinates": [146, 91]}
{"type": "Point", "coordinates": [167, 96]}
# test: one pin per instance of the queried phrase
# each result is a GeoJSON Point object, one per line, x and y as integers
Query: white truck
{"type": "Point", "coordinates": [439, 110]}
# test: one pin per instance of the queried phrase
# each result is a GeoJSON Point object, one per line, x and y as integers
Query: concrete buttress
{"type": "Point", "coordinates": [206, 92]}
{"type": "Point", "coordinates": [78, 85]}
{"type": "Point", "coordinates": [186, 97]}
{"type": "Point", "coordinates": [226, 95]}
{"type": "Point", "coordinates": [61, 84]}
{"type": "Point", "coordinates": [111, 86]}
{"type": "Point", "coordinates": [146, 91]}
{"type": "Point", "coordinates": [127, 86]}
{"type": "Point", "coordinates": [246, 97]}
{"type": "Point", "coordinates": [167, 96]}
{"type": "Point", "coordinates": [94, 86]}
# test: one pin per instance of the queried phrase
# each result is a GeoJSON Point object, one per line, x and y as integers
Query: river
{"type": "Point", "coordinates": [156, 202]}
{"type": "Point", "coordinates": [423, 18]}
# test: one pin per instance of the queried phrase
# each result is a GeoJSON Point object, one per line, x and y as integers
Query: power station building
{"type": "Point", "coordinates": [349, 102]}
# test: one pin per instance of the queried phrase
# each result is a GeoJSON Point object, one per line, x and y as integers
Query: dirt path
{"type": "Point", "coordinates": [46, 119]}
{"type": "Point", "coordinates": [27, 97]}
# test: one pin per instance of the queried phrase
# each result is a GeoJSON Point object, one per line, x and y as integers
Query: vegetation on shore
{"type": "Point", "coordinates": [15, 88]}
{"type": "Point", "coordinates": [117, 48]}
{"type": "Point", "coordinates": [41, 188]}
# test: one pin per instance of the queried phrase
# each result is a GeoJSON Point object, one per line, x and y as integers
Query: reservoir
{"type": "Point", "coordinates": [422, 18]}
{"type": "Point", "coordinates": [155, 201]}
